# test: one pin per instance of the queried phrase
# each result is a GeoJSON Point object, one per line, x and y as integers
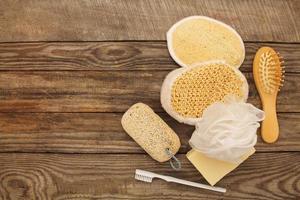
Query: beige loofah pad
{"type": "Point", "coordinates": [150, 132]}
{"type": "Point", "coordinates": [198, 39]}
{"type": "Point", "coordinates": [187, 92]}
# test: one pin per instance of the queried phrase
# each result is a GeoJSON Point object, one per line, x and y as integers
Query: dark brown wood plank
{"type": "Point", "coordinates": [108, 91]}
{"type": "Point", "coordinates": [115, 56]}
{"type": "Point", "coordinates": [73, 176]}
{"type": "Point", "coordinates": [103, 133]}
{"type": "Point", "coordinates": [75, 20]}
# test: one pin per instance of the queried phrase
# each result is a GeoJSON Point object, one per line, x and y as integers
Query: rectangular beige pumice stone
{"type": "Point", "coordinates": [150, 132]}
{"type": "Point", "coordinates": [212, 169]}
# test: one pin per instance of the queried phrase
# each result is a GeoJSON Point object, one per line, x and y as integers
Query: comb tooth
{"type": "Point", "coordinates": [280, 84]}
{"type": "Point", "coordinates": [278, 54]}
{"type": "Point", "coordinates": [277, 78]}
{"type": "Point", "coordinates": [276, 83]}
{"type": "Point", "coordinates": [274, 54]}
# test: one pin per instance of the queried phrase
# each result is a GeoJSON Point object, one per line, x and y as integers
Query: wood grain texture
{"type": "Point", "coordinates": [263, 176]}
{"type": "Point", "coordinates": [103, 133]}
{"type": "Point", "coordinates": [109, 91]}
{"type": "Point", "coordinates": [61, 102]}
{"type": "Point", "coordinates": [76, 20]}
{"type": "Point", "coordinates": [100, 56]}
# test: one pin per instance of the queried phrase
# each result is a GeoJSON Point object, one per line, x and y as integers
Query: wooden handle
{"type": "Point", "coordinates": [270, 127]}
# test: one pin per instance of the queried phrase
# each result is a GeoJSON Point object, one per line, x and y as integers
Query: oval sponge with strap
{"type": "Point", "coordinates": [187, 92]}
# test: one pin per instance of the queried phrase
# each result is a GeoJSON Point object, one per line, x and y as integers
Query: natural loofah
{"type": "Point", "coordinates": [198, 39]}
{"type": "Point", "coordinates": [187, 92]}
{"type": "Point", "coordinates": [150, 132]}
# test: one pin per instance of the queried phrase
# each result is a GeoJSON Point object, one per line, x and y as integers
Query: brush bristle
{"type": "Point", "coordinates": [271, 72]}
{"type": "Point", "coordinates": [143, 178]}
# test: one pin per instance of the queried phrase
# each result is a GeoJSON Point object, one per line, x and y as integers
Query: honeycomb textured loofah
{"type": "Point", "coordinates": [187, 92]}
{"type": "Point", "coordinates": [198, 39]}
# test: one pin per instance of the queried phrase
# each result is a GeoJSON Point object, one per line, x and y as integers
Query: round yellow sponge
{"type": "Point", "coordinates": [198, 39]}
{"type": "Point", "coordinates": [187, 92]}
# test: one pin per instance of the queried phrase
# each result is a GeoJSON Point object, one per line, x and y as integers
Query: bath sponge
{"type": "Point", "coordinates": [198, 39]}
{"type": "Point", "coordinates": [150, 132]}
{"type": "Point", "coordinates": [186, 92]}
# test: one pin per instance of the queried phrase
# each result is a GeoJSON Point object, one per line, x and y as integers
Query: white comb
{"type": "Point", "coordinates": [146, 176]}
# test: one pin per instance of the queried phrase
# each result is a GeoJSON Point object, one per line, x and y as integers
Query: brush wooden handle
{"type": "Point", "coordinates": [270, 127]}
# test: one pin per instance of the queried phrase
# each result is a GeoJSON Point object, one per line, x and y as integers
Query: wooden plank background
{"type": "Point", "coordinates": [91, 20]}
{"type": "Point", "coordinates": [111, 176]}
{"type": "Point", "coordinates": [113, 56]}
{"type": "Point", "coordinates": [70, 68]}
{"type": "Point", "coordinates": [103, 133]}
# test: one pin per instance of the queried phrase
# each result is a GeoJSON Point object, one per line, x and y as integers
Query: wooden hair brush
{"type": "Point", "coordinates": [268, 75]}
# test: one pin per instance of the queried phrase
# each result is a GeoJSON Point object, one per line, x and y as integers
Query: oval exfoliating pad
{"type": "Point", "coordinates": [198, 39]}
{"type": "Point", "coordinates": [186, 92]}
{"type": "Point", "coordinates": [150, 132]}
